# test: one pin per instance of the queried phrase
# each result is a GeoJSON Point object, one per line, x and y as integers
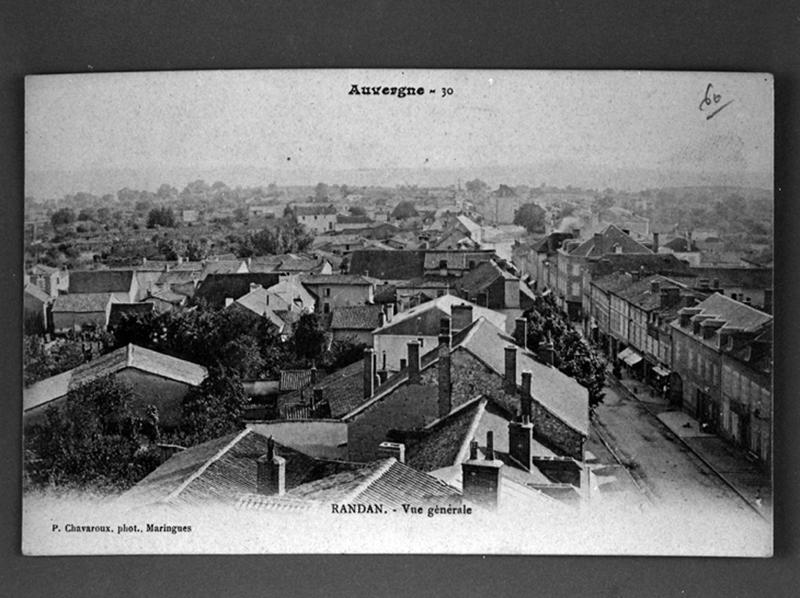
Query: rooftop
{"type": "Point", "coordinates": [387, 265]}
{"type": "Point", "coordinates": [425, 319]}
{"type": "Point", "coordinates": [611, 237]}
{"type": "Point", "coordinates": [81, 302]}
{"type": "Point", "coordinates": [360, 317]}
{"type": "Point", "coordinates": [100, 281]}
{"type": "Point", "coordinates": [130, 356]}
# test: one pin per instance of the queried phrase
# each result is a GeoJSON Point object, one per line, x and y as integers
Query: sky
{"type": "Point", "coordinates": [303, 123]}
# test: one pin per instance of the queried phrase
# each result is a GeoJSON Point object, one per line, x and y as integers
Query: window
{"type": "Point", "coordinates": [327, 292]}
{"type": "Point", "coordinates": [326, 308]}
{"type": "Point", "coordinates": [443, 264]}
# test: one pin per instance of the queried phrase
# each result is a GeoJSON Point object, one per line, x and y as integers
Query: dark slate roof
{"type": "Point", "coordinates": [753, 278]}
{"type": "Point", "coordinates": [359, 317]}
{"type": "Point", "coordinates": [441, 443]}
{"type": "Point", "coordinates": [652, 263]}
{"type": "Point", "coordinates": [386, 293]}
{"type": "Point", "coordinates": [120, 310]}
{"type": "Point", "coordinates": [482, 277]}
{"type": "Point", "coordinates": [215, 288]}
{"type": "Point", "coordinates": [223, 469]}
{"type": "Point", "coordinates": [100, 281]}
{"type": "Point", "coordinates": [353, 219]}
{"type": "Point", "coordinates": [387, 265]}
{"type": "Point", "coordinates": [611, 236]}
{"type": "Point", "coordinates": [681, 244]}
{"type": "Point", "coordinates": [81, 302]}
{"type": "Point", "coordinates": [343, 390]}
{"type": "Point", "coordinates": [334, 279]}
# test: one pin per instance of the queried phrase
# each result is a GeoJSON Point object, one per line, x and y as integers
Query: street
{"type": "Point", "coordinates": [668, 473]}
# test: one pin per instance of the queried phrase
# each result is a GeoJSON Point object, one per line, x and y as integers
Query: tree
{"type": "Point", "coordinates": [604, 202]}
{"type": "Point", "coordinates": [161, 217]}
{"type": "Point", "coordinates": [92, 440]}
{"type": "Point", "coordinates": [321, 192]}
{"type": "Point", "coordinates": [308, 340]}
{"type": "Point", "coordinates": [476, 187]}
{"type": "Point", "coordinates": [573, 356]}
{"type": "Point", "coordinates": [62, 217]}
{"type": "Point", "coordinates": [166, 191]}
{"type": "Point", "coordinates": [531, 216]}
{"type": "Point", "coordinates": [357, 211]}
{"type": "Point", "coordinates": [87, 214]}
{"type": "Point", "coordinates": [213, 409]}
{"type": "Point", "coordinates": [403, 210]}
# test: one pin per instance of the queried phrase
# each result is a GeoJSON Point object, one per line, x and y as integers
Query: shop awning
{"type": "Point", "coordinates": [660, 371]}
{"type": "Point", "coordinates": [624, 353]}
{"type": "Point", "coordinates": [632, 358]}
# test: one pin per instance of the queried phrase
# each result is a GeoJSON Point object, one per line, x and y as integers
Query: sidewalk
{"type": "Point", "coordinates": [729, 462]}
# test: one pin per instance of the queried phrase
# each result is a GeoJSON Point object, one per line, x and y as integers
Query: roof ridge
{"type": "Point", "coordinates": [453, 412]}
{"type": "Point", "coordinates": [208, 463]}
{"type": "Point", "coordinates": [473, 427]}
{"type": "Point", "coordinates": [371, 479]}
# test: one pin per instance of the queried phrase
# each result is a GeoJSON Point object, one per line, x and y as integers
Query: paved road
{"type": "Point", "coordinates": [667, 472]}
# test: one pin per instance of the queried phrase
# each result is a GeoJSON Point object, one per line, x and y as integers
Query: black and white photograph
{"type": "Point", "coordinates": [398, 311]}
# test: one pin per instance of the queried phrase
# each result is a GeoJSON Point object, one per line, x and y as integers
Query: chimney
{"type": "Point", "coordinates": [547, 353]}
{"type": "Point", "coordinates": [389, 311]}
{"type": "Point", "coordinates": [313, 375]}
{"type": "Point", "coordinates": [510, 378]}
{"type": "Point", "coordinates": [521, 332]}
{"type": "Point", "coordinates": [392, 449]}
{"type": "Point", "coordinates": [316, 398]}
{"type": "Point", "coordinates": [599, 244]}
{"type": "Point", "coordinates": [443, 371]}
{"type": "Point", "coordinates": [654, 286]}
{"type": "Point", "coordinates": [481, 477]}
{"type": "Point", "coordinates": [655, 242]}
{"type": "Point", "coordinates": [520, 433]}
{"type": "Point", "coordinates": [576, 233]}
{"type": "Point", "coordinates": [460, 316]}
{"type": "Point", "coordinates": [686, 314]}
{"type": "Point", "coordinates": [383, 375]}
{"type": "Point", "coordinates": [381, 319]}
{"type": "Point", "coordinates": [413, 362]}
{"type": "Point", "coordinates": [710, 326]}
{"type": "Point", "coordinates": [271, 472]}
{"type": "Point", "coordinates": [369, 372]}
{"type": "Point", "coordinates": [228, 301]}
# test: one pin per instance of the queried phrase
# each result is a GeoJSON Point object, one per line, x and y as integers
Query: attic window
{"type": "Point", "coordinates": [443, 264]}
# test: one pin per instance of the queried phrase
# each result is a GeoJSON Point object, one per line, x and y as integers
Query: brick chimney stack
{"type": "Point", "coordinates": [393, 449]}
{"type": "Point", "coordinates": [520, 433]}
{"type": "Point", "coordinates": [369, 372]}
{"type": "Point", "coordinates": [655, 242]}
{"type": "Point", "coordinates": [521, 332]}
{"type": "Point", "coordinates": [510, 377]}
{"type": "Point", "coordinates": [271, 472]}
{"type": "Point", "coordinates": [481, 477]}
{"type": "Point", "coordinates": [413, 362]}
{"type": "Point", "coordinates": [443, 370]}
{"type": "Point", "coordinates": [461, 316]}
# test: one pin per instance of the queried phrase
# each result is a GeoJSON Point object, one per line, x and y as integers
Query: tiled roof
{"type": "Point", "coordinates": [387, 265]}
{"type": "Point", "coordinates": [611, 236]}
{"type": "Point", "coordinates": [353, 219]}
{"type": "Point", "coordinates": [680, 244]}
{"type": "Point", "coordinates": [295, 379]}
{"type": "Point", "coordinates": [333, 279]}
{"type": "Point", "coordinates": [100, 281]}
{"type": "Point", "coordinates": [215, 288]}
{"type": "Point", "coordinates": [385, 482]}
{"type": "Point", "coordinates": [178, 276]}
{"type": "Point", "coordinates": [81, 302]}
{"type": "Point", "coordinates": [386, 293]}
{"type": "Point", "coordinates": [361, 317]}
{"type": "Point", "coordinates": [37, 293]}
{"type": "Point", "coordinates": [558, 393]}
{"type": "Point", "coordinates": [223, 470]}
{"type": "Point", "coordinates": [120, 310]}
{"type": "Point", "coordinates": [343, 390]}
{"type": "Point", "coordinates": [43, 269]}
{"type": "Point", "coordinates": [131, 356]}
{"type": "Point", "coordinates": [753, 278]}
{"type": "Point", "coordinates": [425, 319]}
{"type": "Point", "coordinates": [222, 267]}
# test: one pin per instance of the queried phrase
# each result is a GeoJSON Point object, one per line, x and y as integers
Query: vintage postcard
{"type": "Point", "coordinates": [398, 311]}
